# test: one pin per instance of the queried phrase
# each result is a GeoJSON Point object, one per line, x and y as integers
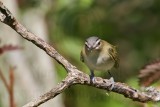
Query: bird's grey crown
{"type": "Point", "coordinates": [91, 41]}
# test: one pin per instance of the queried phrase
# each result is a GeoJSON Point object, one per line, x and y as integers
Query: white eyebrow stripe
{"type": "Point", "coordinates": [86, 43]}
{"type": "Point", "coordinates": [97, 42]}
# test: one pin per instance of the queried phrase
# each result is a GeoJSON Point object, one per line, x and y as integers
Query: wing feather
{"type": "Point", "coordinates": [114, 56]}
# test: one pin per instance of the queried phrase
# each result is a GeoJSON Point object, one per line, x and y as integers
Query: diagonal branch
{"type": "Point", "coordinates": [74, 75]}
{"type": "Point", "coordinates": [4, 80]}
{"type": "Point", "coordinates": [7, 18]}
{"type": "Point", "coordinates": [68, 81]}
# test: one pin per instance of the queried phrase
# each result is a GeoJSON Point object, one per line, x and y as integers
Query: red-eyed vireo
{"type": "Point", "coordinates": [99, 55]}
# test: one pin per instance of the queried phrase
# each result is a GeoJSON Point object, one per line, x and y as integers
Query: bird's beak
{"type": "Point", "coordinates": [90, 49]}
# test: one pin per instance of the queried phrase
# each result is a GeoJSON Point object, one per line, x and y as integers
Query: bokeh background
{"type": "Point", "coordinates": [132, 25]}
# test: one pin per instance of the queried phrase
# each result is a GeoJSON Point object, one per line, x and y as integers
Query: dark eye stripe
{"type": "Point", "coordinates": [86, 44]}
{"type": "Point", "coordinates": [98, 41]}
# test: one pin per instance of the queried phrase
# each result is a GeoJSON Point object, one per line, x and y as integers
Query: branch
{"type": "Point", "coordinates": [4, 81]}
{"type": "Point", "coordinates": [74, 76]}
{"type": "Point", "coordinates": [9, 86]}
{"type": "Point", "coordinates": [81, 78]}
{"type": "Point", "coordinates": [52, 93]}
{"type": "Point", "coordinates": [7, 18]}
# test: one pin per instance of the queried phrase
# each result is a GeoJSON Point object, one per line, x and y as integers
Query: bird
{"type": "Point", "coordinates": [99, 55]}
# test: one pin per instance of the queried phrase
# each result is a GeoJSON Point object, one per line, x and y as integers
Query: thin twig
{"type": "Point", "coordinates": [9, 86]}
{"type": "Point", "coordinates": [4, 80]}
{"type": "Point", "coordinates": [11, 90]}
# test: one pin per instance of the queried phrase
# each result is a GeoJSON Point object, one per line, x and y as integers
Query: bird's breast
{"type": "Point", "coordinates": [99, 62]}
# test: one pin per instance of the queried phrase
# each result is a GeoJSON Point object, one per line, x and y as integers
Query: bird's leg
{"type": "Point", "coordinates": [112, 81]}
{"type": "Point", "coordinates": [91, 75]}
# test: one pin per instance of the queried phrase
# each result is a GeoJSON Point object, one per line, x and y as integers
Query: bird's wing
{"type": "Point", "coordinates": [81, 57]}
{"type": "Point", "coordinates": [114, 56]}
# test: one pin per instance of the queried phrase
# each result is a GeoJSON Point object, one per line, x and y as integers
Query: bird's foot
{"type": "Point", "coordinates": [112, 83]}
{"type": "Point", "coordinates": [91, 78]}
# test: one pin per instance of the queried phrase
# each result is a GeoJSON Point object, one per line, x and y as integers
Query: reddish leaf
{"type": "Point", "coordinates": [11, 86]}
{"type": "Point", "coordinates": [150, 73]}
{"type": "Point", "coordinates": [5, 48]}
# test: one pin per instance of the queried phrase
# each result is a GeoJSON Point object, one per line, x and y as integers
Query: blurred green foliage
{"type": "Point", "coordinates": [0, 103]}
{"type": "Point", "coordinates": [132, 25]}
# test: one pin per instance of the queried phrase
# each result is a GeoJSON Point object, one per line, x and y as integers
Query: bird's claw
{"type": "Point", "coordinates": [91, 78]}
{"type": "Point", "coordinates": [112, 83]}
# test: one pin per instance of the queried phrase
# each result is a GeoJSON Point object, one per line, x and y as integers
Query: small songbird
{"type": "Point", "coordinates": [99, 55]}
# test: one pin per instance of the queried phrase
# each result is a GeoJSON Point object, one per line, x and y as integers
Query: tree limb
{"type": "Point", "coordinates": [74, 75]}
{"type": "Point", "coordinates": [52, 93]}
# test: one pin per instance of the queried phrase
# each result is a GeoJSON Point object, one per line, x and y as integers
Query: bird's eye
{"type": "Point", "coordinates": [86, 44]}
{"type": "Point", "coordinates": [99, 43]}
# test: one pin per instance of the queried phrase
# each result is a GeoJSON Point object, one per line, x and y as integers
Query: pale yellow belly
{"type": "Point", "coordinates": [103, 63]}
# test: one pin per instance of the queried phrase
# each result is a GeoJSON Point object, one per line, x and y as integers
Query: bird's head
{"type": "Point", "coordinates": [93, 43]}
